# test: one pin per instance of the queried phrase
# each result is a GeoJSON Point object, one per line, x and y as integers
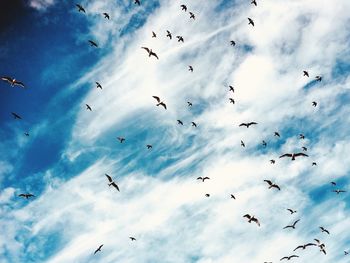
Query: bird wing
{"type": "Point", "coordinates": [154, 54]}
{"type": "Point", "coordinates": [16, 115]}
{"type": "Point", "coordinates": [157, 98]}
{"type": "Point", "coordinates": [296, 222]}
{"type": "Point", "coordinates": [247, 216]}
{"type": "Point", "coordinates": [251, 123]}
{"type": "Point", "coordinates": [18, 83]}
{"type": "Point", "coordinates": [286, 155]}
{"type": "Point", "coordinates": [109, 178]}
{"type": "Point", "coordinates": [199, 178]}
{"type": "Point", "coordinates": [301, 154]}
{"type": "Point", "coordinates": [206, 178]}
{"type": "Point", "coordinates": [146, 48]}
{"type": "Point", "coordinates": [22, 195]}
{"type": "Point", "coordinates": [244, 124]}
{"type": "Point", "coordinates": [293, 256]}
{"type": "Point", "coordinates": [116, 186]}
{"type": "Point", "coordinates": [276, 186]}
{"type": "Point", "coordinates": [163, 104]}
{"type": "Point", "coordinates": [298, 247]}
{"type": "Point", "coordinates": [268, 181]}
{"type": "Point", "coordinates": [283, 258]}
{"type": "Point", "coordinates": [310, 244]}
{"type": "Point", "coordinates": [8, 79]}
{"type": "Point", "coordinates": [256, 221]}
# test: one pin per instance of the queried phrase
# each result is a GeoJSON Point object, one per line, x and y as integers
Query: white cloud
{"type": "Point", "coordinates": [41, 4]}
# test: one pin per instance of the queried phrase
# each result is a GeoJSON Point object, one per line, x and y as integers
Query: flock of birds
{"type": "Point", "coordinates": [159, 102]}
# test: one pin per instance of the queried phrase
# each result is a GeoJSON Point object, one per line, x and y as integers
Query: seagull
{"type": "Point", "coordinates": [318, 78]}
{"type": "Point", "coordinates": [189, 104]}
{"type": "Point", "coordinates": [291, 211]}
{"type": "Point", "coordinates": [99, 249]}
{"type": "Point", "coordinates": [132, 238]}
{"type": "Point", "coordinates": [137, 2]}
{"type": "Point", "coordinates": [180, 39]}
{"type": "Point", "coordinates": [106, 15]}
{"type": "Point", "coordinates": [271, 184]}
{"type": "Point", "coordinates": [247, 124]}
{"type": "Point", "coordinates": [80, 8]}
{"type": "Point", "coordinates": [180, 122]}
{"type": "Point", "coordinates": [346, 253]}
{"type": "Point", "coordinates": [154, 34]}
{"type": "Point", "coordinates": [98, 85]}
{"type": "Point", "coordinates": [207, 195]}
{"type": "Point", "coordinates": [159, 102]}
{"type": "Point", "coordinates": [277, 134]}
{"type": "Point", "coordinates": [304, 149]}
{"type": "Point", "coordinates": [305, 246]}
{"type": "Point", "coordinates": [290, 257]}
{"type": "Point", "coordinates": [88, 107]}
{"type": "Point", "coordinates": [338, 191]}
{"type": "Point", "coordinates": [169, 34]}
{"type": "Point", "coordinates": [93, 44]}
{"type": "Point", "coordinates": [149, 146]}
{"type": "Point", "coordinates": [121, 139]}
{"type": "Point", "coordinates": [192, 16]}
{"type": "Point", "coordinates": [26, 134]}
{"type": "Point", "coordinates": [301, 136]}
{"type": "Point", "coordinates": [306, 73]}
{"type": "Point", "coordinates": [242, 144]}
{"type": "Point", "coordinates": [232, 100]}
{"type": "Point", "coordinates": [231, 88]}
{"type": "Point", "coordinates": [16, 116]}
{"type": "Point", "coordinates": [150, 52]}
{"type": "Point", "coordinates": [13, 82]}
{"type": "Point", "coordinates": [324, 230]}
{"type": "Point", "coordinates": [314, 164]}
{"type": "Point", "coordinates": [251, 22]}
{"type": "Point", "coordinates": [203, 178]}
{"type": "Point", "coordinates": [233, 197]}
{"type": "Point", "coordinates": [26, 196]}
{"type": "Point", "coordinates": [233, 43]}
{"type": "Point", "coordinates": [183, 7]}
{"type": "Point", "coordinates": [194, 124]}
{"type": "Point", "coordinates": [272, 161]}
{"type": "Point", "coordinates": [333, 183]}
{"type": "Point", "coordinates": [254, 3]}
{"type": "Point", "coordinates": [314, 103]}
{"type": "Point", "coordinates": [111, 182]}
{"type": "Point", "coordinates": [252, 219]}
{"type": "Point", "coordinates": [321, 246]}
{"type": "Point", "coordinates": [292, 225]}
{"type": "Point", "coordinates": [264, 143]}
{"type": "Point", "coordinates": [190, 68]}
{"type": "Point", "coordinates": [293, 155]}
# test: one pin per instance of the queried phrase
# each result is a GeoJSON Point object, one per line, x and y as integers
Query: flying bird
{"type": "Point", "coordinates": [106, 15]}
{"type": "Point", "coordinates": [233, 43]}
{"type": "Point", "coordinates": [132, 238]}
{"type": "Point", "coordinates": [183, 7]}
{"type": "Point", "coordinates": [98, 85]}
{"type": "Point", "coordinates": [306, 73]}
{"type": "Point", "coordinates": [333, 183]}
{"type": "Point", "coordinates": [338, 191]}
{"type": "Point", "coordinates": [253, 3]}
{"type": "Point", "coordinates": [301, 136]}
{"type": "Point", "coordinates": [231, 88]}
{"type": "Point", "coordinates": [150, 52]}
{"type": "Point", "coordinates": [292, 225]}
{"type": "Point", "coordinates": [13, 82]}
{"type": "Point", "coordinates": [192, 16]}
{"type": "Point", "coordinates": [233, 197]}
{"type": "Point", "coordinates": [159, 102]}
{"type": "Point", "coordinates": [26, 134]}
{"type": "Point", "coordinates": [247, 124]}
{"type": "Point", "coordinates": [321, 245]}
{"type": "Point", "coordinates": [154, 34]}
{"type": "Point", "coordinates": [26, 196]}
{"type": "Point", "coordinates": [111, 182]}
{"type": "Point", "coordinates": [276, 134]}
{"type": "Point", "coordinates": [137, 2]}
{"type": "Point", "coordinates": [251, 22]}
{"type": "Point", "coordinates": [149, 146]}
{"type": "Point", "coordinates": [121, 139]}
{"type": "Point", "coordinates": [189, 104]}
{"type": "Point", "coordinates": [318, 78]}
{"type": "Point", "coordinates": [190, 68]}
{"type": "Point", "coordinates": [99, 249]}
{"type": "Point", "coordinates": [291, 211]}
{"type": "Point", "coordinates": [252, 219]}
{"type": "Point", "coordinates": [203, 178]}
{"type": "Point", "coordinates": [93, 44]}
{"type": "Point", "coordinates": [272, 161]}
{"type": "Point", "coordinates": [346, 253]}
{"type": "Point", "coordinates": [264, 143]}
{"type": "Point", "coordinates": [305, 246]}
{"type": "Point", "coordinates": [324, 230]}
{"type": "Point", "coordinates": [232, 100]}
{"type": "Point", "coordinates": [180, 39]}
{"type": "Point", "coordinates": [80, 8]}
{"type": "Point", "coordinates": [293, 155]}
{"type": "Point", "coordinates": [207, 195]}
{"type": "Point", "coordinates": [16, 116]}
{"type": "Point", "coordinates": [194, 124]}
{"type": "Point", "coordinates": [314, 164]}
{"type": "Point", "coordinates": [289, 258]}
{"type": "Point", "coordinates": [304, 149]}
{"type": "Point", "coordinates": [88, 107]}
{"type": "Point", "coordinates": [180, 122]}
{"type": "Point", "coordinates": [314, 103]}
{"type": "Point", "coordinates": [242, 144]}
{"type": "Point", "coordinates": [272, 185]}
{"type": "Point", "coordinates": [169, 34]}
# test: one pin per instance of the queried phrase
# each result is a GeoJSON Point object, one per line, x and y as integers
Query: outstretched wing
{"type": "Point", "coordinates": [163, 104]}
{"type": "Point", "coordinates": [109, 178]}
{"type": "Point", "coordinates": [256, 221]}
{"type": "Point", "coordinates": [286, 155]}
{"type": "Point", "coordinates": [298, 247]}
{"type": "Point", "coordinates": [301, 154]}
{"type": "Point", "coordinates": [157, 98]}
{"type": "Point", "coordinates": [154, 54]}
{"type": "Point", "coordinates": [243, 124]}
{"type": "Point", "coordinates": [146, 48]}
{"type": "Point", "coordinates": [116, 186]}
{"type": "Point", "coordinates": [252, 123]}
{"type": "Point", "coordinates": [247, 216]}
{"type": "Point", "coordinates": [268, 181]}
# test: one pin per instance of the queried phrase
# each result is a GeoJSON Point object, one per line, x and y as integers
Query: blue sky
{"type": "Point", "coordinates": [44, 43]}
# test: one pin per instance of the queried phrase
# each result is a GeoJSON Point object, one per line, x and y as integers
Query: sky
{"type": "Point", "coordinates": [63, 161]}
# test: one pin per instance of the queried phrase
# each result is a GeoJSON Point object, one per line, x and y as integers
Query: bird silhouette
{"type": "Point", "coordinates": [252, 219]}
{"type": "Point", "coordinates": [272, 185]}
{"type": "Point", "coordinates": [207, 195]}
{"type": "Point", "coordinates": [99, 249]}
{"type": "Point", "coordinates": [189, 104]}
{"type": "Point", "coordinates": [314, 164]}
{"type": "Point", "coordinates": [318, 78]}
{"type": "Point", "coordinates": [88, 107]}
{"type": "Point", "coordinates": [251, 22]}
{"type": "Point", "coordinates": [16, 116]}
{"type": "Point", "coordinates": [291, 211]}
{"type": "Point", "coordinates": [233, 197]}
{"type": "Point", "coordinates": [190, 68]}
{"type": "Point", "coordinates": [160, 103]}
{"type": "Point", "coordinates": [233, 43]}
{"type": "Point", "coordinates": [248, 124]}
{"type": "Point", "coordinates": [169, 35]}
{"type": "Point", "coordinates": [304, 246]}
{"type": "Point", "coordinates": [314, 103]}
{"type": "Point", "coordinates": [13, 82]}
{"type": "Point", "coordinates": [306, 73]}
{"type": "Point", "coordinates": [242, 144]}
{"type": "Point", "coordinates": [180, 39]}
{"type": "Point", "coordinates": [150, 52]}
{"type": "Point", "coordinates": [293, 155]}
{"type": "Point", "coordinates": [26, 134]}
{"type": "Point", "coordinates": [304, 149]}
{"type": "Point", "coordinates": [93, 44]}
{"type": "Point", "coordinates": [276, 134]}
{"type": "Point", "coordinates": [272, 161]}
{"type": "Point", "coordinates": [26, 196]}
{"type": "Point", "coordinates": [111, 182]}
{"type": "Point", "coordinates": [106, 15]}
{"type": "Point", "coordinates": [194, 124]}
{"type": "Point", "coordinates": [80, 8]}
{"type": "Point", "coordinates": [184, 7]}
{"type": "Point", "coordinates": [231, 88]}
{"type": "Point", "coordinates": [324, 230]}
{"type": "Point", "coordinates": [98, 85]}
{"type": "Point", "coordinates": [301, 136]}
{"type": "Point", "coordinates": [137, 2]}
{"type": "Point", "coordinates": [180, 122]}
{"type": "Point", "coordinates": [289, 258]}
{"type": "Point", "coordinates": [192, 16]}
{"type": "Point", "coordinates": [321, 245]}
{"type": "Point", "coordinates": [149, 146]}
{"type": "Point", "coordinates": [333, 183]}
{"type": "Point", "coordinates": [338, 191]}
{"type": "Point", "coordinates": [154, 35]}
{"type": "Point", "coordinates": [132, 238]}
{"type": "Point", "coordinates": [203, 178]}
{"type": "Point", "coordinates": [254, 3]}
{"type": "Point", "coordinates": [292, 225]}
{"type": "Point", "coordinates": [121, 139]}
{"type": "Point", "coordinates": [264, 143]}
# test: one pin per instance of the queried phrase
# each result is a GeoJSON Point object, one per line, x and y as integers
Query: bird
{"type": "Point", "coordinates": [88, 107]}
{"type": "Point", "coordinates": [159, 102]}
{"type": "Point", "coordinates": [26, 196]}
{"type": "Point", "coordinates": [233, 197]}
{"type": "Point", "coordinates": [80, 8]}
{"type": "Point", "coordinates": [301, 136]}
{"type": "Point", "coordinates": [207, 195]}
{"type": "Point", "coordinates": [183, 7]}
{"type": "Point", "coordinates": [314, 103]}
{"type": "Point", "coordinates": [169, 34]}
{"type": "Point", "coordinates": [304, 149]}
{"type": "Point", "coordinates": [203, 178]}
{"type": "Point", "coordinates": [111, 182]}
{"type": "Point", "coordinates": [150, 52]}
{"type": "Point", "coordinates": [132, 238]}
{"type": "Point", "coordinates": [306, 73]}
{"type": "Point", "coordinates": [98, 85]}
{"type": "Point", "coordinates": [190, 68]}
{"type": "Point", "coordinates": [137, 2]}
{"type": "Point", "coordinates": [292, 225]}
{"type": "Point", "coordinates": [149, 146]}
{"type": "Point", "coordinates": [324, 230]}
{"type": "Point", "coordinates": [26, 134]}
{"type": "Point", "coordinates": [99, 249]}
{"type": "Point", "coordinates": [180, 122]}
{"type": "Point", "coordinates": [276, 134]}
{"type": "Point", "coordinates": [305, 246]}
{"type": "Point", "coordinates": [154, 34]}
{"type": "Point", "coordinates": [93, 44]}
{"type": "Point", "coordinates": [252, 219]}
{"type": "Point", "coordinates": [264, 143]}
{"type": "Point", "coordinates": [251, 22]}
{"type": "Point", "coordinates": [321, 245]}
{"type": "Point", "coordinates": [233, 43]}
{"type": "Point", "coordinates": [13, 82]}
{"type": "Point", "coordinates": [346, 253]}
{"type": "Point", "coordinates": [231, 88]}
{"type": "Point", "coordinates": [121, 139]}
{"type": "Point", "coordinates": [106, 15]}
{"type": "Point", "coordinates": [242, 144]}
{"type": "Point", "coordinates": [289, 258]}
{"type": "Point", "coordinates": [293, 155]}
{"type": "Point", "coordinates": [180, 39]}
{"type": "Point", "coordinates": [194, 124]}
{"type": "Point", "coordinates": [318, 78]}
{"type": "Point", "coordinates": [16, 116]}
{"type": "Point", "coordinates": [338, 191]}
{"type": "Point", "coordinates": [272, 161]}
{"type": "Point", "coordinates": [232, 100]}
{"type": "Point", "coordinates": [291, 211]}
{"type": "Point", "coordinates": [272, 185]}
{"type": "Point", "coordinates": [314, 164]}
{"type": "Point", "coordinates": [333, 183]}
{"type": "Point", "coordinates": [189, 104]}
{"type": "Point", "coordinates": [192, 16]}
{"type": "Point", "coordinates": [253, 3]}
{"type": "Point", "coordinates": [248, 124]}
